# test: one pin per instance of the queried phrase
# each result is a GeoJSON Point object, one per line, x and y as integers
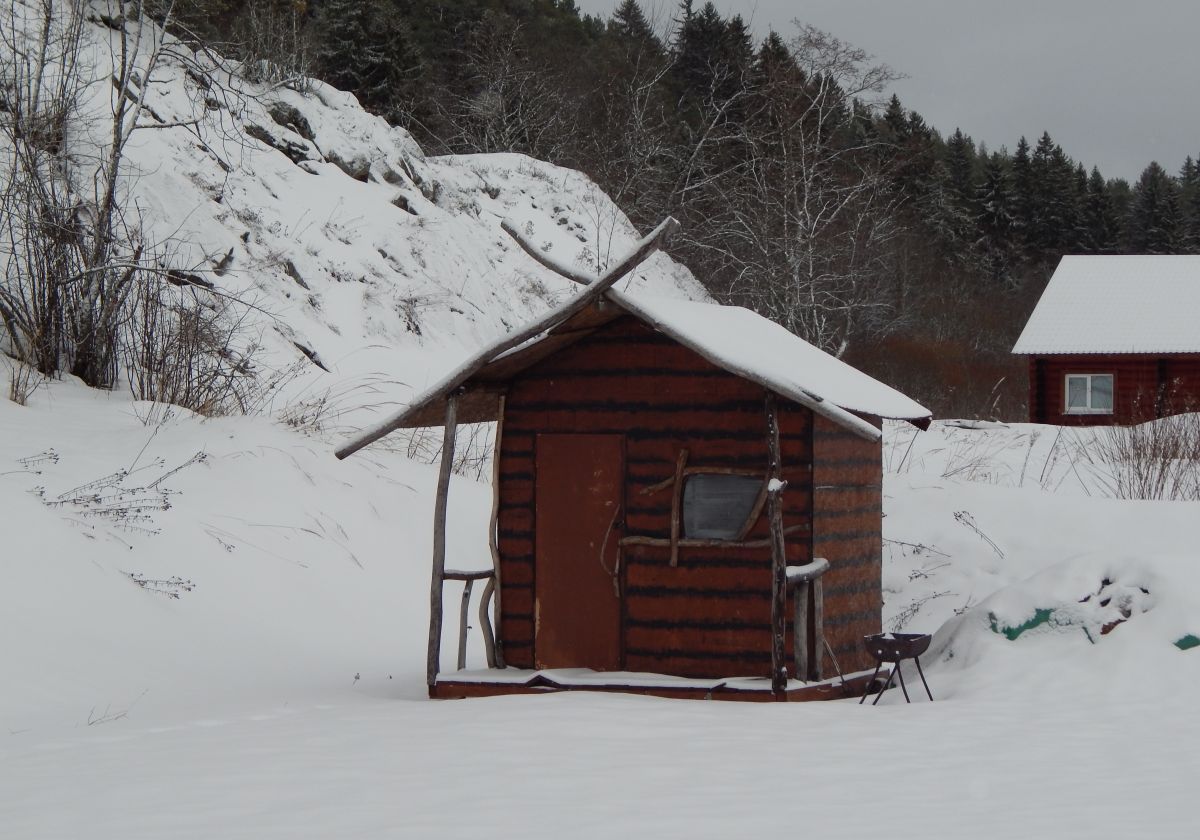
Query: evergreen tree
{"type": "Point", "coordinates": [708, 59]}
{"type": "Point", "coordinates": [994, 219]}
{"type": "Point", "coordinates": [895, 121]}
{"type": "Point", "coordinates": [1189, 201]}
{"type": "Point", "coordinates": [1024, 195]}
{"type": "Point", "coordinates": [1152, 226]}
{"type": "Point", "coordinates": [368, 49]}
{"type": "Point", "coordinates": [629, 27]}
{"type": "Point", "coordinates": [1100, 220]}
{"type": "Point", "coordinates": [960, 168]}
{"type": "Point", "coordinates": [774, 61]}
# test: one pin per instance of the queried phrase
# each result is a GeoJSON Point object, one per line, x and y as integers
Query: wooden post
{"type": "Point", "coordinates": [818, 627]}
{"type": "Point", "coordinates": [433, 658]}
{"type": "Point", "coordinates": [676, 504]}
{"type": "Point", "coordinates": [779, 675]}
{"type": "Point", "coordinates": [462, 623]}
{"type": "Point", "coordinates": [800, 630]}
{"type": "Point", "coordinates": [496, 649]}
{"type": "Point", "coordinates": [485, 622]}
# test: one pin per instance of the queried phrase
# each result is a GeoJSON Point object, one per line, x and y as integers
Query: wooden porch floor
{"type": "Point", "coordinates": [496, 682]}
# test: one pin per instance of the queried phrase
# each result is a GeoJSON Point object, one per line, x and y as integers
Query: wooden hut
{"type": "Point", "coordinates": [1113, 340]}
{"type": "Point", "coordinates": [688, 503]}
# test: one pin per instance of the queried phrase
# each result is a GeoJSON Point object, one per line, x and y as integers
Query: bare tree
{"type": "Point", "coordinates": [512, 103]}
{"type": "Point", "coordinates": [72, 251]}
{"type": "Point", "coordinates": [816, 211]}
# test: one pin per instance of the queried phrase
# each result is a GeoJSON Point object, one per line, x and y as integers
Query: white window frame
{"type": "Point", "coordinates": [1087, 409]}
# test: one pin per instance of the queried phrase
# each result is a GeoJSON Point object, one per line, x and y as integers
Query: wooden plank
{"type": "Point", "coordinates": [448, 689]}
{"type": "Point", "coordinates": [690, 542]}
{"type": "Point", "coordinates": [454, 574]}
{"type": "Point", "coordinates": [433, 654]}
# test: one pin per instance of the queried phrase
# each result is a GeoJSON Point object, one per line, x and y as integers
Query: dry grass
{"type": "Point", "coordinates": [1155, 460]}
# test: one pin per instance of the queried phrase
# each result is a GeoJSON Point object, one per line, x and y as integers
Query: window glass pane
{"type": "Point", "coordinates": [1102, 393]}
{"type": "Point", "coordinates": [715, 507]}
{"type": "Point", "coordinates": [1076, 392]}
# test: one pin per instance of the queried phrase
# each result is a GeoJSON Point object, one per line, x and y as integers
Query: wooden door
{"type": "Point", "coordinates": [577, 606]}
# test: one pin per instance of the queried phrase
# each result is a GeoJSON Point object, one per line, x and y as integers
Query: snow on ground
{"type": "Point", "coordinates": [282, 696]}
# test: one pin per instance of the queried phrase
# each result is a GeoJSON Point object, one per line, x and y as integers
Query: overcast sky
{"type": "Point", "coordinates": [1117, 84]}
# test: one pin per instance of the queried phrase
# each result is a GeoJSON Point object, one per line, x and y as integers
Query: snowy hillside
{"type": "Point", "coordinates": [344, 241]}
{"type": "Point", "coordinates": [210, 627]}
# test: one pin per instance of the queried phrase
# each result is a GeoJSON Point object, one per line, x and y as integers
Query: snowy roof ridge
{"type": "Point", "coordinates": [731, 337]}
{"type": "Point", "coordinates": [1117, 303]}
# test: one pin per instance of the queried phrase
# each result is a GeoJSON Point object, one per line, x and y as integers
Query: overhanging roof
{"type": "Point", "coordinates": [730, 337]}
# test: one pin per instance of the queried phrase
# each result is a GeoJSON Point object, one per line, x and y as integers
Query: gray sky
{"type": "Point", "coordinates": [1117, 84]}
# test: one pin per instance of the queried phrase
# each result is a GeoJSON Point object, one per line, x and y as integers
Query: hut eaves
{"type": "Point", "coordinates": [730, 337]}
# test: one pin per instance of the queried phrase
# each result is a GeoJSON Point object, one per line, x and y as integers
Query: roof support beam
{"type": "Point", "coordinates": [540, 256]}
{"type": "Point", "coordinates": [434, 654]}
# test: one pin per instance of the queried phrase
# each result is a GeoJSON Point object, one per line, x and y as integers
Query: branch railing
{"type": "Point", "coordinates": [485, 621]}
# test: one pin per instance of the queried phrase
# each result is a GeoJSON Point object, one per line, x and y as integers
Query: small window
{"type": "Point", "coordinates": [717, 507]}
{"type": "Point", "coordinates": [1089, 393]}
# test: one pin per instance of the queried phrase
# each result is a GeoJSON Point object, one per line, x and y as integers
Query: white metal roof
{"type": "Point", "coordinates": [1117, 304]}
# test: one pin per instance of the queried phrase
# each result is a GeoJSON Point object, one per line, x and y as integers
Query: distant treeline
{"type": "Point", "coordinates": [803, 192]}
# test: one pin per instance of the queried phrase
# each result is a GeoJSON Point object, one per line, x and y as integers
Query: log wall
{"type": "Point", "coordinates": [710, 615]}
{"type": "Point", "coordinates": [1145, 387]}
{"type": "Point", "coordinates": [847, 531]}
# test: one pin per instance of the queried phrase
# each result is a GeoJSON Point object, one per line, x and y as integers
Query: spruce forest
{"type": "Point", "coordinates": [804, 191]}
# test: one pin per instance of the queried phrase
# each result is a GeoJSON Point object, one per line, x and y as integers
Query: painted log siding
{"type": "Point", "coordinates": [1145, 386]}
{"type": "Point", "coordinates": [710, 615]}
{"type": "Point", "coordinates": [847, 497]}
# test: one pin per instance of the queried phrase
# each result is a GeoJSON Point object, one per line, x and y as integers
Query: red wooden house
{"type": "Point", "coordinates": [687, 503]}
{"type": "Point", "coordinates": [1115, 340]}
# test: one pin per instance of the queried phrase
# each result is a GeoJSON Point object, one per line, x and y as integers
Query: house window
{"type": "Point", "coordinates": [718, 507]}
{"type": "Point", "coordinates": [1089, 393]}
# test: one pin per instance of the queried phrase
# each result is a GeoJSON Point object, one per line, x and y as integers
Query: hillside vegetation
{"type": "Point", "coordinates": [804, 191]}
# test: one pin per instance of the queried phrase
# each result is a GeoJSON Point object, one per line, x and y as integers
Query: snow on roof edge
{"type": "Point", "coordinates": [817, 403]}
{"type": "Point", "coordinates": [814, 402]}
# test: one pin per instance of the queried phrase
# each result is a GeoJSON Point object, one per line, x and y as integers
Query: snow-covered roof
{"type": "Point", "coordinates": [733, 338]}
{"type": "Point", "coordinates": [745, 343]}
{"type": "Point", "coordinates": [1117, 304]}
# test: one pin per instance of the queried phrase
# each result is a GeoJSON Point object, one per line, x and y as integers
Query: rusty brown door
{"type": "Point", "coordinates": [578, 607]}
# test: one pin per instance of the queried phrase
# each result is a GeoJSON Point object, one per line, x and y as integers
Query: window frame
{"type": "Point", "coordinates": [752, 515]}
{"type": "Point", "coordinates": [1089, 408]}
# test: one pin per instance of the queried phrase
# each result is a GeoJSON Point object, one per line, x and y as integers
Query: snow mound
{"type": "Point", "coordinates": [1106, 623]}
